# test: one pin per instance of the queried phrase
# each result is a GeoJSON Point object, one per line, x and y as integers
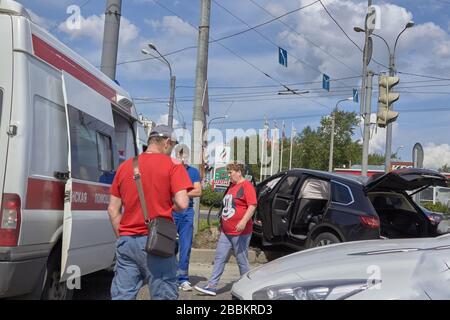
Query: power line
{"type": "Point", "coordinates": [57, 25]}
{"type": "Point", "coordinates": [240, 57]}
{"type": "Point", "coordinates": [268, 39]}
{"type": "Point", "coordinates": [214, 40]}
{"type": "Point", "coordinates": [423, 76]}
{"type": "Point", "coordinates": [269, 86]}
{"type": "Point", "coordinates": [299, 34]}
{"type": "Point", "coordinates": [267, 22]}
{"type": "Point", "coordinates": [263, 36]}
{"type": "Point", "coordinates": [345, 33]}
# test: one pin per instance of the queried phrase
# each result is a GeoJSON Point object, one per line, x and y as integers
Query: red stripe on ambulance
{"type": "Point", "coordinates": [62, 62]}
{"type": "Point", "coordinates": [45, 194]}
{"type": "Point", "coordinates": [49, 195]}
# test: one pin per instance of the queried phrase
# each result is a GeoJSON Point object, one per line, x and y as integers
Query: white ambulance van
{"type": "Point", "coordinates": [64, 129]}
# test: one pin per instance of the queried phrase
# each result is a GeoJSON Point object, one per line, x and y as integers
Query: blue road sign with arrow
{"type": "Point", "coordinates": [326, 82]}
{"type": "Point", "coordinates": [282, 56]}
{"type": "Point", "coordinates": [355, 95]}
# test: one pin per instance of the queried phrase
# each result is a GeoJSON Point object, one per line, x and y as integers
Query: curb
{"type": "Point", "coordinates": [207, 256]}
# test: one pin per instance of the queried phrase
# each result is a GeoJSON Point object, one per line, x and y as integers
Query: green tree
{"type": "Point", "coordinates": [377, 159]}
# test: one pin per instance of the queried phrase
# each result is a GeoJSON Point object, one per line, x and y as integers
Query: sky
{"type": "Point", "coordinates": [245, 77]}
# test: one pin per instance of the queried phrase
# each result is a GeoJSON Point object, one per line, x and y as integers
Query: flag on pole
{"type": "Point", "coordinates": [293, 134]}
{"type": "Point", "coordinates": [283, 137]}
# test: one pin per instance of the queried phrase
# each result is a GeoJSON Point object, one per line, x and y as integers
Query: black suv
{"type": "Point", "coordinates": [307, 208]}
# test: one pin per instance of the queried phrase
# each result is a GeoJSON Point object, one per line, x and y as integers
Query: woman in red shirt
{"type": "Point", "coordinates": [239, 204]}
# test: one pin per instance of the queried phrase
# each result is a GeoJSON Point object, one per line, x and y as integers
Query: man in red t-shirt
{"type": "Point", "coordinates": [239, 204]}
{"type": "Point", "coordinates": [165, 183]}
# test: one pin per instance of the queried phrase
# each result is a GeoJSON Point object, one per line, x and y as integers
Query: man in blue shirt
{"type": "Point", "coordinates": [185, 224]}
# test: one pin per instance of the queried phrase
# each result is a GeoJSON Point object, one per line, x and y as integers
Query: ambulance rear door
{"type": "Point", "coordinates": [88, 238]}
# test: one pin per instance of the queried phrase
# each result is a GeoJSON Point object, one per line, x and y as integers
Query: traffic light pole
{"type": "Point", "coordinates": [200, 79]}
{"type": "Point", "coordinates": [388, 152]}
{"type": "Point", "coordinates": [365, 103]}
{"type": "Point", "coordinates": [367, 111]}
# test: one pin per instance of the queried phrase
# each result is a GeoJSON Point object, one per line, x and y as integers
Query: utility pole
{"type": "Point", "coordinates": [172, 99]}
{"type": "Point", "coordinates": [292, 143]}
{"type": "Point", "coordinates": [388, 152]}
{"type": "Point", "coordinates": [200, 80]}
{"type": "Point", "coordinates": [333, 120]}
{"type": "Point", "coordinates": [113, 13]}
{"type": "Point", "coordinates": [365, 103]}
{"type": "Point", "coordinates": [367, 111]}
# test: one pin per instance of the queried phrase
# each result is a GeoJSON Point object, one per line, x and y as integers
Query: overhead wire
{"type": "Point", "coordinates": [304, 37]}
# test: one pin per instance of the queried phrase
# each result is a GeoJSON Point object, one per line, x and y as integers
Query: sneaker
{"type": "Point", "coordinates": [185, 286]}
{"type": "Point", "coordinates": [206, 290]}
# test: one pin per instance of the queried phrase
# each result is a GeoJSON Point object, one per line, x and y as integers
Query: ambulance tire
{"type": "Point", "coordinates": [53, 289]}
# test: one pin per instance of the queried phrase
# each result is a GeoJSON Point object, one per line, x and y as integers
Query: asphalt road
{"type": "Point", "coordinates": [97, 286]}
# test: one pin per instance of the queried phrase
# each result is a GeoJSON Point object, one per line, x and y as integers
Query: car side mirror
{"type": "Point", "coordinates": [443, 227]}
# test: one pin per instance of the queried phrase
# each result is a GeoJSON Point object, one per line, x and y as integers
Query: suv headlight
{"type": "Point", "coordinates": [324, 290]}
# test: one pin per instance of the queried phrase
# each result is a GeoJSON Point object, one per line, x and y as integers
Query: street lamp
{"type": "Point", "coordinates": [396, 151]}
{"type": "Point", "coordinates": [388, 151]}
{"type": "Point", "coordinates": [333, 120]}
{"type": "Point", "coordinates": [216, 118]}
{"type": "Point", "coordinates": [172, 80]}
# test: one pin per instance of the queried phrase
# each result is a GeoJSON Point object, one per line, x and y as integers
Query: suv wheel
{"type": "Point", "coordinates": [324, 239]}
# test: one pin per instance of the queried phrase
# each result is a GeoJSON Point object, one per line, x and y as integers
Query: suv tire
{"type": "Point", "coordinates": [324, 239]}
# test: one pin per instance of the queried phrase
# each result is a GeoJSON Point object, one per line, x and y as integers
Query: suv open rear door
{"type": "Point", "coordinates": [406, 180]}
{"type": "Point", "coordinates": [88, 237]}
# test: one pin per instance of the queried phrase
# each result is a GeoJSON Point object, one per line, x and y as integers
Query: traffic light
{"type": "Point", "coordinates": [385, 98]}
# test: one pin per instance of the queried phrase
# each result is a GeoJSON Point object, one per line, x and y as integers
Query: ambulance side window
{"type": "Point", "coordinates": [49, 147]}
{"type": "Point", "coordinates": [125, 138]}
{"type": "Point", "coordinates": [91, 148]}
{"type": "Point", "coordinates": [104, 148]}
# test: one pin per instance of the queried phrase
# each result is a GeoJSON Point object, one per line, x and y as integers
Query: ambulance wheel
{"type": "Point", "coordinates": [53, 288]}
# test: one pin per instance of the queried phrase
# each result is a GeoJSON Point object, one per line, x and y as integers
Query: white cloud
{"type": "Point", "coordinates": [172, 25]}
{"type": "Point", "coordinates": [377, 142]}
{"type": "Point", "coordinates": [436, 156]}
{"type": "Point", "coordinates": [163, 119]}
{"type": "Point", "coordinates": [92, 28]}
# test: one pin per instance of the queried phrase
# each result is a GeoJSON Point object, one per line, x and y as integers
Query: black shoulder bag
{"type": "Point", "coordinates": [162, 232]}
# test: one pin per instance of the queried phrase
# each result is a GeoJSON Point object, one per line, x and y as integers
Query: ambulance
{"type": "Point", "coordinates": [64, 129]}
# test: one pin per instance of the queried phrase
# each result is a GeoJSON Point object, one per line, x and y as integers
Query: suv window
{"type": "Point", "coordinates": [391, 201]}
{"type": "Point", "coordinates": [340, 193]}
{"type": "Point", "coordinates": [288, 185]}
{"type": "Point", "coordinates": [268, 187]}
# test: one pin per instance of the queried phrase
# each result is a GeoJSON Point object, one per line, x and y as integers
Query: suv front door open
{"type": "Point", "coordinates": [283, 204]}
{"type": "Point", "coordinates": [88, 238]}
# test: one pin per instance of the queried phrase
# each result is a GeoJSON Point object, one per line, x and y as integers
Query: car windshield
{"type": "Point", "coordinates": [392, 201]}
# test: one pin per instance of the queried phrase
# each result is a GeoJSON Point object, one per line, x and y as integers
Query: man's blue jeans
{"type": "Point", "coordinates": [227, 243]}
{"type": "Point", "coordinates": [135, 268]}
{"type": "Point", "coordinates": [185, 227]}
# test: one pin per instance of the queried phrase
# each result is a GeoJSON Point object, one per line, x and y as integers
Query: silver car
{"type": "Point", "coordinates": [373, 269]}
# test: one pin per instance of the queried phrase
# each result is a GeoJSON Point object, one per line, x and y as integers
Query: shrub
{"type": "Point", "coordinates": [210, 198]}
{"type": "Point", "coordinates": [438, 207]}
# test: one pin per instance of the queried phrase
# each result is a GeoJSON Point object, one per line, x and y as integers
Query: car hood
{"type": "Point", "coordinates": [337, 258]}
{"type": "Point", "coordinates": [407, 268]}
{"type": "Point", "coordinates": [406, 180]}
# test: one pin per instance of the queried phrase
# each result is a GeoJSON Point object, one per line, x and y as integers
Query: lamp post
{"type": "Point", "coordinates": [388, 151]}
{"type": "Point", "coordinates": [396, 151]}
{"type": "Point", "coordinates": [216, 118]}
{"type": "Point", "coordinates": [333, 121]}
{"type": "Point", "coordinates": [172, 81]}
